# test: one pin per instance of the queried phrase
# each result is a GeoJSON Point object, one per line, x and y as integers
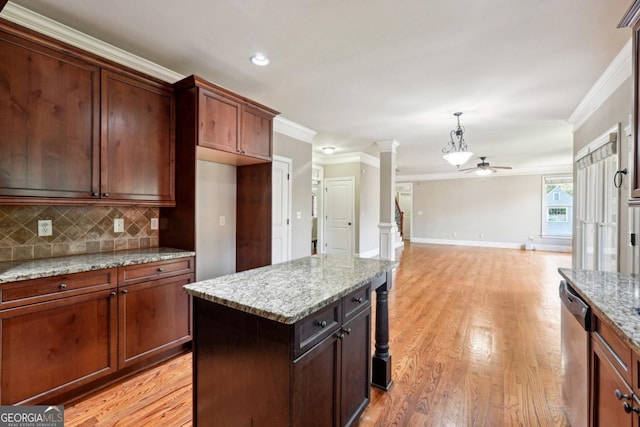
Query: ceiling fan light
{"type": "Point", "coordinates": [458, 158]}
{"type": "Point", "coordinates": [328, 150]}
{"type": "Point", "coordinates": [484, 172]}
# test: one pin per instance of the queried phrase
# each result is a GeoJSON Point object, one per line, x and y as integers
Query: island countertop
{"type": "Point", "coordinates": [613, 297]}
{"type": "Point", "coordinates": [289, 291]}
{"type": "Point", "coordinates": [14, 271]}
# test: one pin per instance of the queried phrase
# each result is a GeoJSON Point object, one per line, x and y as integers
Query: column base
{"type": "Point", "coordinates": [381, 372]}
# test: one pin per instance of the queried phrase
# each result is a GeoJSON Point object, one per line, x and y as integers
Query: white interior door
{"type": "Point", "coordinates": [338, 213]}
{"type": "Point", "coordinates": [281, 211]}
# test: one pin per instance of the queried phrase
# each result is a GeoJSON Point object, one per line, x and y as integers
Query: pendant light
{"type": "Point", "coordinates": [456, 151]}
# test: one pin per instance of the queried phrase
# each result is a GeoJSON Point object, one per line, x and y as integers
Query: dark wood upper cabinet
{"type": "Point", "coordinates": [78, 129]}
{"type": "Point", "coordinates": [138, 146]}
{"type": "Point", "coordinates": [231, 129]}
{"type": "Point", "coordinates": [632, 19]}
{"type": "Point", "coordinates": [49, 122]}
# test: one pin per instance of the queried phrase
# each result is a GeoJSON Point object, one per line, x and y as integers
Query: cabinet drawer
{"type": "Point", "coordinates": [618, 352]}
{"type": "Point", "coordinates": [314, 328]}
{"type": "Point", "coordinates": [155, 270]}
{"type": "Point", "coordinates": [356, 301]}
{"type": "Point", "coordinates": [39, 290]}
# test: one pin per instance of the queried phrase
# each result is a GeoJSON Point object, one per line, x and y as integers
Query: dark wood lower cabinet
{"type": "Point", "coordinates": [50, 348]}
{"type": "Point", "coordinates": [62, 336]}
{"type": "Point", "coordinates": [249, 370]}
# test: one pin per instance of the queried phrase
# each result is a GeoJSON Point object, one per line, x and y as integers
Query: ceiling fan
{"type": "Point", "coordinates": [484, 168]}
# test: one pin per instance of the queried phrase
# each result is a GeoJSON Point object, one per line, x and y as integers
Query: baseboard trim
{"type": "Point", "coordinates": [485, 244]}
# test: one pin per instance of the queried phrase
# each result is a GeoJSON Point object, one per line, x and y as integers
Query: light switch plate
{"type": "Point", "coordinates": [154, 223]}
{"type": "Point", "coordinates": [118, 225]}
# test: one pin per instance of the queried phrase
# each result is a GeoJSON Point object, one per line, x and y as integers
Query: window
{"type": "Point", "coordinates": [557, 206]}
{"type": "Point", "coordinates": [557, 214]}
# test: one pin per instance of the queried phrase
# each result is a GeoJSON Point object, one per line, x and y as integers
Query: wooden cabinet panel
{"type": "Point", "coordinates": [49, 122]}
{"type": "Point", "coordinates": [50, 348]}
{"type": "Point", "coordinates": [256, 133]}
{"type": "Point", "coordinates": [315, 397]}
{"type": "Point", "coordinates": [608, 409]}
{"type": "Point", "coordinates": [356, 365]}
{"type": "Point", "coordinates": [218, 119]}
{"type": "Point", "coordinates": [153, 316]}
{"type": "Point", "coordinates": [137, 134]}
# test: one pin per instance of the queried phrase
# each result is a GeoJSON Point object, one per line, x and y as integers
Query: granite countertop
{"type": "Point", "coordinates": [613, 297]}
{"type": "Point", "coordinates": [292, 290]}
{"type": "Point", "coordinates": [14, 271]}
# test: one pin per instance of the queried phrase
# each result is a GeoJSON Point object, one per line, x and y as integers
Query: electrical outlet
{"type": "Point", "coordinates": [222, 220]}
{"type": "Point", "coordinates": [154, 223]}
{"type": "Point", "coordinates": [45, 228]}
{"type": "Point", "coordinates": [118, 225]}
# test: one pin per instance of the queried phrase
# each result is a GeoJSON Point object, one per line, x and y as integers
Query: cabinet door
{"type": "Point", "coordinates": [315, 392]}
{"type": "Point", "coordinates": [256, 133]}
{"type": "Point", "coordinates": [153, 316]}
{"type": "Point", "coordinates": [218, 119]}
{"type": "Point", "coordinates": [356, 367]}
{"type": "Point", "coordinates": [49, 348]}
{"type": "Point", "coordinates": [138, 140]}
{"type": "Point", "coordinates": [608, 409]}
{"type": "Point", "coordinates": [49, 122]}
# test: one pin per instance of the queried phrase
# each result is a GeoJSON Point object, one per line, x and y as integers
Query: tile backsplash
{"type": "Point", "coordinates": [76, 230]}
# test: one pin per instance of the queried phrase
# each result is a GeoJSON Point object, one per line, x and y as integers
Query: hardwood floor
{"type": "Point", "coordinates": [475, 341]}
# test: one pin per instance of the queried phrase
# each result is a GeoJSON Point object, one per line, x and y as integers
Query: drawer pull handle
{"type": "Point", "coordinates": [322, 324]}
{"type": "Point", "coordinates": [95, 194]}
{"type": "Point", "coordinates": [160, 269]}
{"type": "Point", "coordinates": [629, 409]}
{"type": "Point", "coordinates": [124, 291]}
{"type": "Point", "coordinates": [63, 286]}
{"type": "Point", "coordinates": [346, 330]}
{"type": "Point", "coordinates": [106, 194]}
{"type": "Point", "coordinates": [358, 300]}
{"type": "Point", "coordinates": [620, 395]}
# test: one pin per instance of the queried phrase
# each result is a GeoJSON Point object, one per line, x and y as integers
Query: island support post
{"type": "Point", "coordinates": [381, 360]}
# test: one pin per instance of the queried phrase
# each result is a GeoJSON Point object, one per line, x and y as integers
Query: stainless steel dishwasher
{"type": "Point", "coordinates": [575, 328]}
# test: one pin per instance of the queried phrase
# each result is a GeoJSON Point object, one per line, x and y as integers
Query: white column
{"type": "Point", "coordinates": [387, 226]}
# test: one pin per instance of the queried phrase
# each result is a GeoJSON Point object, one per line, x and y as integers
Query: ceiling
{"type": "Point", "coordinates": [362, 71]}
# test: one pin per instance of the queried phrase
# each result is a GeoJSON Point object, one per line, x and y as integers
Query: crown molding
{"type": "Point", "coordinates": [34, 21]}
{"type": "Point", "coordinates": [340, 159]}
{"type": "Point", "coordinates": [293, 129]}
{"type": "Point", "coordinates": [613, 77]}
{"type": "Point", "coordinates": [539, 170]}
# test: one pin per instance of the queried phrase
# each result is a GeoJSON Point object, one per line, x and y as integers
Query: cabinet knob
{"type": "Point", "coordinates": [340, 336]}
{"type": "Point", "coordinates": [358, 300]}
{"type": "Point", "coordinates": [629, 409]}
{"type": "Point", "coordinates": [160, 269]}
{"type": "Point", "coordinates": [95, 194]}
{"type": "Point", "coordinates": [63, 286]}
{"type": "Point", "coordinates": [322, 324]}
{"type": "Point", "coordinates": [113, 293]}
{"type": "Point", "coordinates": [346, 330]}
{"type": "Point", "coordinates": [620, 395]}
{"type": "Point", "coordinates": [124, 291]}
{"type": "Point", "coordinates": [106, 194]}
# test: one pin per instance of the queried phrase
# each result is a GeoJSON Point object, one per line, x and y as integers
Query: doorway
{"type": "Point", "coordinates": [404, 195]}
{"type": "Point", "coordinates": [339, 210]}
{"type": "Point", "coordinates": [281, 210]}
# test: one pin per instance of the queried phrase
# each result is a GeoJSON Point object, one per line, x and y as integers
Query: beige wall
{"type": "Point", "coordinates": [496, 209]}
{"type": "Point", "coordinates": [300, 154]}
{"type": "Point", "coordinates": [616, 109]}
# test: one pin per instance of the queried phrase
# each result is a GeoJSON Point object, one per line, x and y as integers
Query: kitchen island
{"type": "Point", "coordinates": [289, 344]}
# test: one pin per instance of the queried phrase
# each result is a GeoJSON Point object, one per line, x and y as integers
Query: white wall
{"type": "Point", "coordinates": [502, 211]}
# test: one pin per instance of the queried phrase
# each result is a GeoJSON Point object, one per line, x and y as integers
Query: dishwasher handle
{"type": "Point", "coordinates": [576, 306]}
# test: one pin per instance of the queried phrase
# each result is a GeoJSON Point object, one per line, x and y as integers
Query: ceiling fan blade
{"type": "Point", "coordinates": [467, 169]}
{"type": "Point", "coordinates": [502, 167]}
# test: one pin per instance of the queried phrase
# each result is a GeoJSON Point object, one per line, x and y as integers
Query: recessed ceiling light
{"type": "Point", "coordinates": [328, 150]}
{"type": "Point", "coordinates": [260, 59]}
